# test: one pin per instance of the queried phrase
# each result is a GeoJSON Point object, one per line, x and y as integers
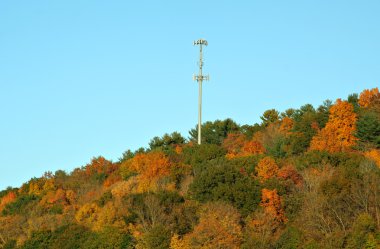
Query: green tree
{"type": "Point", "coordinates": [368, 128]}
{"type": "Point", "coordinates": [220, 181]}
{"type": "Point", "coordinates": [270, 116]}
{"type": "Point", "coordinates": [198, 155]}
{"type": "Point", "coordinates": [167, 141]}
{"type": "Point", "coordinates": [128, 154]}
{"type": "Point", "coordinates": [354, 100]}
{"type": "Point", "coordinates": [307, 122]}
{"type": "Point", "coordinates": [214, 132]}
{"type": "Point", "coordinates": [249, 130]}
{"type": "Point", "coordinates": [288, 113]}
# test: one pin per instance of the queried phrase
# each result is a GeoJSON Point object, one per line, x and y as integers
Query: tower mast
{"type": "Point", "coordinates": [200, 77]}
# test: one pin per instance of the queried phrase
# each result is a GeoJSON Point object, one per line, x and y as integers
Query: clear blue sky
{"type": "Point", "coordinates": [85, 78]}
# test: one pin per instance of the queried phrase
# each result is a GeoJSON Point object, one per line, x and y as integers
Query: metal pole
{"type": "Point", "coordinates": [200, 79]}
{"type": "Point", "coordinates": [200, 96]}
{"type": "Point", "coordinates": [199, 112]}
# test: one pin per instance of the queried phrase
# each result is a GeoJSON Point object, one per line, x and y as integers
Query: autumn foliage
{"type": "Point", "coordinates": [369, 98]}
{"type": "Point", "coordinates": [234, 143]}
{"type": "Point", "coordinates": [286, 125]}
{"type": "Point", "coordinates": [178, 243]}
{"type": "Point", "coordinates": [10, 197]}
{"type": "Point", "coordinates": [218, 227]}
{"type": "Point", "coordinates": [238, 145]}
{"type": "Point", "coordinates": [253, 147]}
{"type": "Point", "coordinates": [273, 204]}
{"type": "Point", "coordinates": [338, 134]}
{"type": "Point", "coordinates": [374, 155]}
{"type": "Point", "coordinates": [288, 172]}
{"type": "Point", "coordinates": [149, 166]}
{"type": "Point", "coordinates": [266, 168]}
{"type": "Point", "coordinates": [100, 165]}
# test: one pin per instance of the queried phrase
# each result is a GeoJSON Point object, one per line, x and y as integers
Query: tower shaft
{"type": "Point", "coordinates": [200, 79]}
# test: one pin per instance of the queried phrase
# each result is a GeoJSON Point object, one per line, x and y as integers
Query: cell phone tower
{"type": "Point", "coordinates": [200, 78]}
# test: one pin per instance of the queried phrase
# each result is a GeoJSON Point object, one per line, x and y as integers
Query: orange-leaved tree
{"type": "Point", "coordinates": [234, 143]}
{"type": "Point", "coordinates": [288, 172]}
{"type": "Point", "coordinates": [286, 125]}
{"type": "Point", "coordinates": [369, 98]}
{"type": "Point", "coordinates": [150, 167]}
{"type": "Point", "coordinates": [273, 204]}
{"type": "Point", "coordinates": [8, 198]}
{"type": "Point", "coordinates": [253, 147]}
{"type": "Point", "coordinates": [99, 165]}
{"type": "Point", "coordinates": [59, 196]}
{"type": "Point", "coordinates": [218, 227]}
{"type": "Point", "coordinates": [338, 134]}
{"type": "Point", "coordinates": [237, 145]}
{"type": "Point", "coordinates": [266, 168]}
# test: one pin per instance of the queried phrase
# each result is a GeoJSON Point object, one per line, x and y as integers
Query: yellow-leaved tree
{"type": "Point", "coordinates": [266, 168]}
{"type": "Point", "coordinates": [338, 134]}
{"type": "Point", "coordinates": [369, 98]}
{"type": "Point", "coordinates": [218, 227]}
{"type": "Point", "coordinates": [150, 168]}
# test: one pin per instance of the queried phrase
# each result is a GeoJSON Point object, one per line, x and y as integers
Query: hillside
{"type": "Point", "coordinates": [304, 178]}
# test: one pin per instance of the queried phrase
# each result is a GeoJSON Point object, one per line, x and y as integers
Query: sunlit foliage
{"type": "Point", "coordinates": [266, 168]}
{"type": "Point", "coordinates": [338, 134]}
{"type": "Point", "coordinates": [218, 227]}
{"type": "Point", "coordinates": [273, 204]}
{"type": "Point", "coordinates": [369, 98]}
